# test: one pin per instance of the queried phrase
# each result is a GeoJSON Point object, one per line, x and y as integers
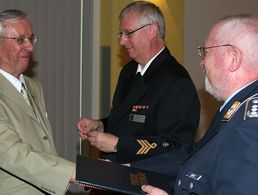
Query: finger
{"type": "Point", "coordinates": [147, 188]}
{"type": "Point", "coordinates": [90, 139]}
{"type": "Point", "coordinates": [126, 164]}
{"type": "Point", "coordinates": [81, 124]}
{"type": "Point", "coordinates": [107, 160]}
{"type": "Point", "coordinates": [92, 133]}
{"type": "Point", "coordinates": [83, 135]}
{"type": "Point", "coordinates": [78, 125]}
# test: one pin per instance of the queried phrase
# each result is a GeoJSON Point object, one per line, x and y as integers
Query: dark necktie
{"type": "Point", "coordinates": [136, 79]}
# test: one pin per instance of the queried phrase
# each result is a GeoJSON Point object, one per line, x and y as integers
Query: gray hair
{"type": "Point", "coordinates": [240, 30]}
{"type": "Point", "coordinates": [9, 16]}
{"type": "Point", "coordinates": [148, 13]}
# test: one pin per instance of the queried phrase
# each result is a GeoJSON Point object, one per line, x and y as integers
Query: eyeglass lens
{"type": "Point", "coordinates": [22, 39]}
{"type": "Point", "coordinates": [202, 50]}
{"type": "Point", "coordinates": [128, 34]}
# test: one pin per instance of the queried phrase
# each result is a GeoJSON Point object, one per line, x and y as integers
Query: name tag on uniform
{"type": "Point", "coordinates": [138, 118]}
{"type": "Point", "coordinates": [193, 176]}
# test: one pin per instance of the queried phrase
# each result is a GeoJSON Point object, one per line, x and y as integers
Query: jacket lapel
{"type": "Point", "coordinates": [133, 96]}
{"type": "Point", "coordinates": [38, 103]}
{"type": "Point", "coordinates": [9, 90]}
{"type": "Point", "coordinates": [35, 101]}
{"type": "Point", "coordinates": [140, 89]}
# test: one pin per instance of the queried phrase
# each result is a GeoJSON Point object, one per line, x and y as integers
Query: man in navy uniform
{"type": "Point", "coordinates": [155, 113]}
{"type": "Point", "coordinates": [225, 160]}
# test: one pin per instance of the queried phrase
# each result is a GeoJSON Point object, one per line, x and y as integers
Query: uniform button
{"type": "Point", "coordinates": [191, 185]}
{"type": "Point", "coordinates": [165, 144]}
{"type": "Point", "coordinates": [45, 137]}
{"type": "Point", "coordinates": [179, 182]}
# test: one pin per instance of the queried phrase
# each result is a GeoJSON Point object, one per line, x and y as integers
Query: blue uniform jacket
{"type": "Point", "coordinates": [225, 160]}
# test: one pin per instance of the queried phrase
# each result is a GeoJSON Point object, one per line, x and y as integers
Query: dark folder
{"type": "Point", "coordinates": [109, 176]}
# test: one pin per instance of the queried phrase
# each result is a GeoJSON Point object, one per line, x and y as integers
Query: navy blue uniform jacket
{"type": "Point", "coordinates": [159, 113]}
{"type": "Point", "coordinates": [225, 160]}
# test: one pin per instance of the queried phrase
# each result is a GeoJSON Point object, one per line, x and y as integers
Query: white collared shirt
{"type": "Point", "coordinates": [17, 83]}
{"type": "Point", "coordinates": [13, 80]}
{"type": "Point", "coordinates": [143, 70]}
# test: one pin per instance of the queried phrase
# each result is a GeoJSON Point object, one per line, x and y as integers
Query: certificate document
{"type": "Point", "coordinates": [110, 176]}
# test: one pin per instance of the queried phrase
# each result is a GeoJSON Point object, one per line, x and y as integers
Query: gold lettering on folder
{"type": "Point", "coordinates": [138, 179]}
{"type": "Point", "coordinates": [134, 179]}
{"type": "Point", "coordinates": [142, 178]}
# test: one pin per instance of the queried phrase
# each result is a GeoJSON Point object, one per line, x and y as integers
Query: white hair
{"type": "Point", "coordinates": [9, 16]}
{"type": "Point", "coordinates": [240, 31]}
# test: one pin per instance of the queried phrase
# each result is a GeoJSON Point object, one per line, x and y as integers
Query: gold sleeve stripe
{"type": "Point", "coordinates": [145, 146]}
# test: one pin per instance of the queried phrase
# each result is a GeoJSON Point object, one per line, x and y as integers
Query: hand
{"type": "Point", "coordinates": [106, 160]}
{"type": "Point", "coordinates": [150, 190]}
{"type": "Point", "coordinates": [85, 125]}
{"type": "Point", "coordinates": [73, 180]}
{"type": "Point", "coordinates": [103, 141]}
{"type": "Point", "coordinates": [126, 164]}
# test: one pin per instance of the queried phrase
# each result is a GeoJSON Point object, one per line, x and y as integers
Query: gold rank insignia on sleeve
{"type": "Point", "coordinates": [145, 146]}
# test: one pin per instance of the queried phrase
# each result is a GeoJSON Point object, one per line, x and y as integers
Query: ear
{"type": "Point", "coordinates": [153, 30]}
{"type": "Point", "coordinates": [236, 59]}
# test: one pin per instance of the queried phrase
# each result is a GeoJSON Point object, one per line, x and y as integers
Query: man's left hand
{"type": "Point", "coordinates": [103, 141]}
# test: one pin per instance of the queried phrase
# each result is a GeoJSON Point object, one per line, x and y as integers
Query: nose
{"type": "Point", "coordinates": [123, 40]}
{"type": "Point", "coordinates": [29, 45]}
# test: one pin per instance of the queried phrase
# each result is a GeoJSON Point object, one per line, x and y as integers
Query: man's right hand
{"type": "Point", "coordinates": [85, 125]}
{"type": "Point", "coordinates": [151, 190]}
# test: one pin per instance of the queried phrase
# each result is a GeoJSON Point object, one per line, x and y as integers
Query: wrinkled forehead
{"type": "Point", "coordinates": [22, 26]}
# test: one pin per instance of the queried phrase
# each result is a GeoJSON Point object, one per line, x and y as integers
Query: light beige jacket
{"type": "Point", "coordinates": [28, 161]}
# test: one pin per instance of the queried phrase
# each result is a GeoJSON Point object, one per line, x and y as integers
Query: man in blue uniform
{"type": "Point", "coordinates": [225, 160]}
{"type": "Point", "coordinates": [151, 115]}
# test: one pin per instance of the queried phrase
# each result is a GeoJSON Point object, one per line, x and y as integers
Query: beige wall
{"type": "Point", "coordinates": [199, 17]}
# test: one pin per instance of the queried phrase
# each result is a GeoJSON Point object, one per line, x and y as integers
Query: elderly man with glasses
{"type": "Point", "coordinates": [225, 160]}
{"type": "Point", "coordinates": [29, 164]}
{"type": "Point", "coordinates": [154, 112]}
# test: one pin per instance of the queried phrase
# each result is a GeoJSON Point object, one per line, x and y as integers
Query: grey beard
{"type": "Point", "coordinates": [210, 89]}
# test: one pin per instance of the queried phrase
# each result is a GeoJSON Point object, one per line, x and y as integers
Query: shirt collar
{"type": "Point", "coordinates": [143, 70]}
{"type": "Point", "coordinates": [236, 92]}
{"type": "Point", "coordinates": [13, 80]}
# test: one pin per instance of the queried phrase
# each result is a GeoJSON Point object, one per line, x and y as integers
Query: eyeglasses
{"type": "Point", "coordinates": [201, 49]}
{"type": "Point", "coordinates": [128, 34]}
{"type": "Point", "coordinates": [21, 39]}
